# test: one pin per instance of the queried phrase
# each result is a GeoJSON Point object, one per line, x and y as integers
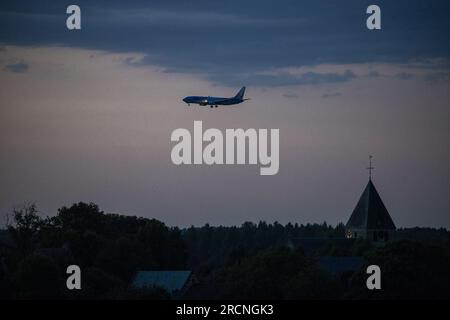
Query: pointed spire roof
{"type": "Point", "coordinates": [370, 212]}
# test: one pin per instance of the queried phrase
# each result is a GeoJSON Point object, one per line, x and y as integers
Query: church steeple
{"type": "Point", "coordinates": [370, 168]}
{"type": "Point", "coordinates": [370, 219]}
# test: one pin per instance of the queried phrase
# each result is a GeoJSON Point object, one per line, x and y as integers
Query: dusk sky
{"type": "Point", "coordinates": [87, 115]}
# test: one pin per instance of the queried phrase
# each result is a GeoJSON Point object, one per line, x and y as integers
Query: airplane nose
{"type": "Point", "coordinates": [185, 99]}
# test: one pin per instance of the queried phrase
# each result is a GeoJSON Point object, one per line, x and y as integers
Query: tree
{"type": "Point", "coordinates": [38, 277]}
{"type": "Point", "coordinates": [26, 227]}
{"type": "Point", "coordinates": [81, 217]}
{"type": "Point", "coordinates": [277, 273]}
{"type": "Point", "coordinates": [409, 270]}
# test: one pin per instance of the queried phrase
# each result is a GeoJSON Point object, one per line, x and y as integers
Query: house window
{"type": "Point", "coordinates": [348, 234]}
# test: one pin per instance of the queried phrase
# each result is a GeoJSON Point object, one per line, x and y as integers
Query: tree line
{"type": "Point", "coordinates": [251, 261]}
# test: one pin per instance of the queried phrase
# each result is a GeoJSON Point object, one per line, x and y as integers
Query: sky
{"type": "Point", "coordinates": [87, 115]}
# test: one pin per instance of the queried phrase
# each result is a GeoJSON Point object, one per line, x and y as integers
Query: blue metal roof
{"type": "Point", "coordinates": [168, 280]}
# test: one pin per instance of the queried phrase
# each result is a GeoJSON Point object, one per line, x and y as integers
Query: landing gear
{"type": "Point", "coordinates": [211, 106]}
{"type": "Point", "coordinates": [216, 106]}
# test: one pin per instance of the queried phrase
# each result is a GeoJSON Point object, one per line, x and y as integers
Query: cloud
{"type": "Point", "coordinates": [133, 61]}
{"type": "Point", "coordinates": [320, 78]}
{"type": "Point", "coordinates": [224, 42]}
{"type": "Point", "coordinates": [190, 18]}
{"type": "Point", "coordinates": [437, 77]}
{"type": "Point", "coordinates": [331, 95]}
{"type": "Point", "coordinates": [20, 67]}
{"type": "Point", "coordinates": [404, 76]}
{"type": "Point", "coordinates": [373, 74]}
{"type": "Point", "coordinates": [435, 63]}
{"type": "Point", "coordinates": [290, 95]}
{"type": "Point", "coordinates": [281, 79]}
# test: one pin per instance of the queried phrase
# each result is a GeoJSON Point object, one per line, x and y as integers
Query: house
{"type": "Point", "coordinates": [174, 282]}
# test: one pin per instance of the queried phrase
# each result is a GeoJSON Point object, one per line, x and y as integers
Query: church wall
{"type": "Point", "coordinates": [373, 235]}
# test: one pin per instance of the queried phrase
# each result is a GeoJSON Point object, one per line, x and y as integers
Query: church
{"type": "Point", "coordinates": [370, 219]}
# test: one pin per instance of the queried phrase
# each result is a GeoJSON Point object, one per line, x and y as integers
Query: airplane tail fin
{"type": "Point", "coordinates": [240, 94]}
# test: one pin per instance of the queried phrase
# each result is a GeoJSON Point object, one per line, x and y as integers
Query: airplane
{"type": "Point", "coordinates": [216, 101]}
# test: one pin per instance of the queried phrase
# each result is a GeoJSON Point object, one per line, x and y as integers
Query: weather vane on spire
{"type": "Point", "coordinates": [370, 168]}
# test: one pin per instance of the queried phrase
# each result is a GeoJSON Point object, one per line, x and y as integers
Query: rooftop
{"type": "Point", "coordinates": [370, 212]}
{"type": "Point", "coordinates": [169, 280]}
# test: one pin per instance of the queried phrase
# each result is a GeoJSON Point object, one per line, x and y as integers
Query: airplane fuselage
{"type": "Point", "coordinates": [216, 101]}
{"type": "Point", "coordinates": [212, 101]}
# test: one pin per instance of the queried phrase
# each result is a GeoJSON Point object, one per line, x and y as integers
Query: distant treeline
{"type": "Point", "coordinates": [249, 261]}
{"type": "Point", "coordinates": [109, 248]}
{"type": "Point", "coordinates": [209, 245]}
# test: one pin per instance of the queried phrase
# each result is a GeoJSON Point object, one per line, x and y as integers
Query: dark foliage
{"type": "Point", "coordinates": [109, 248]}
{"type": "Point", "coordinates": [38, 277]}
{"type": "Point", "coordinates": [210, 247]}
{"type": "Point", "coordinates": [410, 270]}
{"type": "Point", "coordinates": [276, 274]}
{"type": "Point", "coordinates": [253, 261]}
